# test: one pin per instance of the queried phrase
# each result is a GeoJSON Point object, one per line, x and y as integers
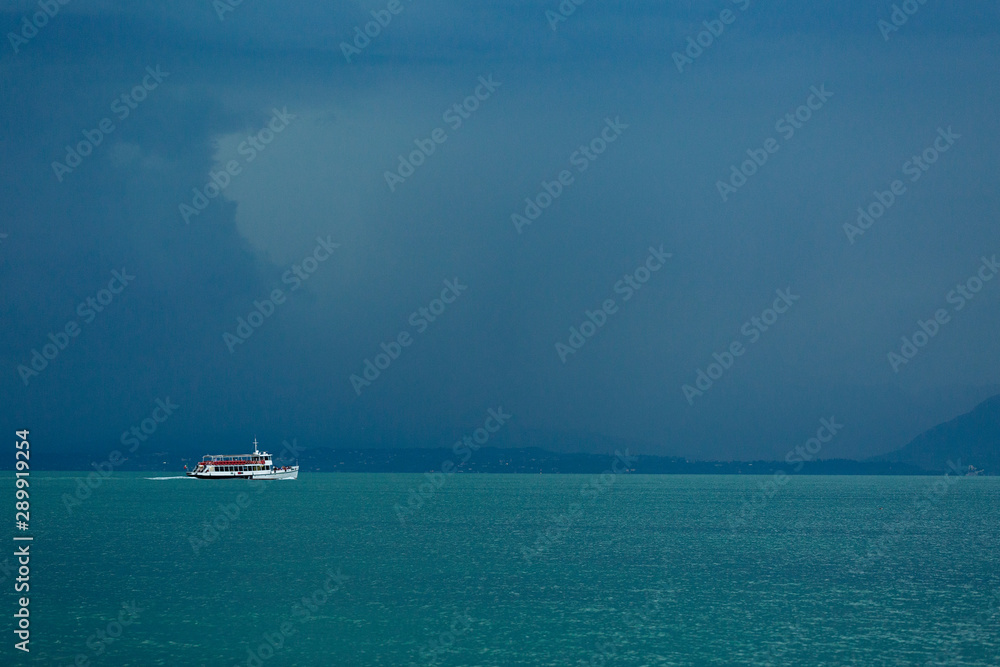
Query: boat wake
{"type": "Point", "coordinates": [179, 477]}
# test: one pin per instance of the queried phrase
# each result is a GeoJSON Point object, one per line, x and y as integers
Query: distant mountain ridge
{"type": "Point", "coordinates": [524, 460]}
{"type": "Point", "coordinates": [969, 439]}
{"type": "Point", "coordinates": [972, 438]}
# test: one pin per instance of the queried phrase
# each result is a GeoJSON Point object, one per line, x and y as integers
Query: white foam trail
{"type": "Point", "coordinates": [181, 477]}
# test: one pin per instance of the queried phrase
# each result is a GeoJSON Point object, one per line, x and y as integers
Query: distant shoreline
{"type": "Point", "coordinates": [925, 473]}
{"type": "Point", "coordinates": [492, 460]}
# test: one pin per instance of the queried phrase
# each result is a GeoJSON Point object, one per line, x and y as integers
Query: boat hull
{"type": "Point", "coordinates": [290, 473]}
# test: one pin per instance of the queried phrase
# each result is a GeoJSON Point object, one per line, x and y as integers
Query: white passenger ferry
{"type": "Point", "coordinates": [242, 466]}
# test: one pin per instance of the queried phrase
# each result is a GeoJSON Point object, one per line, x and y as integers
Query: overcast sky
{"type": "Point", "coordinates": [214, 90]}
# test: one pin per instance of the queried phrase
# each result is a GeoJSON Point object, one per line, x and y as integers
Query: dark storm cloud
{"type": "Point", "coordinates": [656, 184]}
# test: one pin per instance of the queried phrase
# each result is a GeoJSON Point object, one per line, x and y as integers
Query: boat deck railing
{"type": "Point", "coordinates": [236, 457]}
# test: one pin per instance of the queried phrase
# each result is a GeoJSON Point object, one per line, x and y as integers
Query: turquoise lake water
{"type": "Point", "coordinates": [513, 570]}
